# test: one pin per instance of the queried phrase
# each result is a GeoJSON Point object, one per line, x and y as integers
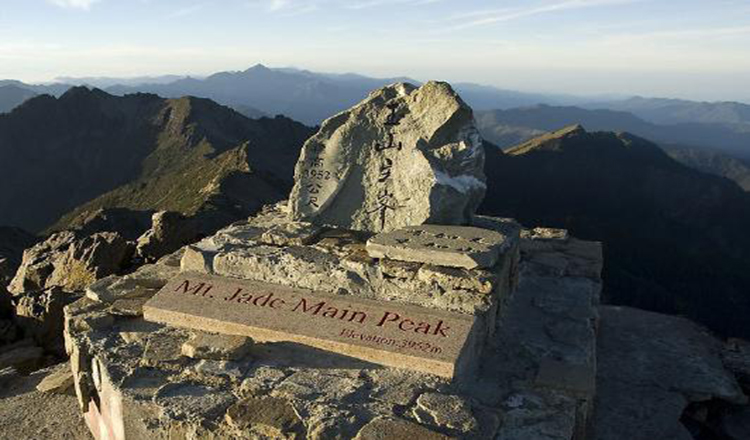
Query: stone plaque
{"type": "Point", "coordinates": [385, 333]}
{"type": "Point", "coordinates": [454, 246]}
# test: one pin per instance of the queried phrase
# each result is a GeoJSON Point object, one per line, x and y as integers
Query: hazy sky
{"type": "Point", "coordinates": [697, 49]}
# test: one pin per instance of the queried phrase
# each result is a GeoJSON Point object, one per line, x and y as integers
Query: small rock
{"type": "Point", "coordinates": [545, 234]}
{"type": "Point", "coordinates": [162, 347]}
{"type": "Point", "coordinates": [181, 401]}
{"type": "Point", "coordinates": [128, 306]}
{"type": "Point", "coordinates": [218, 347]}
{"type": "Point", "coordinates": [312, 384]}
{"type": "Point", "coordinates": [169, 231]}
{"type": "Point", "coordinates": [329, 422]}
{"type": "Point", "coordinates": [291, 234]}
{"type": "Point", "coordinates": [219, 368]}
{"type": "Point", "coordinates": [136, 330]}
{"type": "Point", "coordinates": [261, 380]}
{"type": "Point", "coordinates": [92, 321]}
{"type": "Point", "coordinates": [59, 381]}
{"type": "Point", "coordinates": [398, 387]}
{"type": "Point", "coordinates": [386, 428]}
{"type": "Point", "coordinates": [445, 411]}
{"type": "Point", "coordinates": [276, 414]}
{"type": "Point", "coordinates": [197, 260]}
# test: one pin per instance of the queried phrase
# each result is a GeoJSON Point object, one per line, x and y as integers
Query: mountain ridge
{"type": "Point", "coordinates": [104, 151]}
{"type": "Point", "coordinates": [674, 238]}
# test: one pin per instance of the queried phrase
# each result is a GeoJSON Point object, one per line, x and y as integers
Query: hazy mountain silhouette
{"type": "Point", "coordinates": [311, 97]}
{"type": "Point", "coordinates": [301, 95]}
{"type": "Point", "coordinates": [675, 239]}
{"type": "Point", "coordinates": [712, 162]}
{"type": "Point", "coordinates": [11, 96]}
{"type": "Point", "coordinates": [507, 127]}
{"type": "Point", "coordinates": [89, 150]}
{"type": "Point", "coordinates": [676, 111]}
{"type": "Point", "coordinates": [108, 81]}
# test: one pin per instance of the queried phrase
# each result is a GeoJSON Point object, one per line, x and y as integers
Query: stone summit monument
{"type": "Point", "coordinates": [404, 156]}
{"type": "Point", "coordinates": [374, 304]}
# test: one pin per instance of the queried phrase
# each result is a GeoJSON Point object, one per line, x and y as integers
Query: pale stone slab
{"type": "Point", "coordinates": [385, 333]}
{"type": "Point", "coordinates": [454, 246]}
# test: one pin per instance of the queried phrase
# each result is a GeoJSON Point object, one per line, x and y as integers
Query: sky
{"type": "Point", "coordinates": [694, 49]}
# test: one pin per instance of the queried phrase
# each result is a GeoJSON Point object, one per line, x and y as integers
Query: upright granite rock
{"type": "Point", "coordinates": [403, 156]}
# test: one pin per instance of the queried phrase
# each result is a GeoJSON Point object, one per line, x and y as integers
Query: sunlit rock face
{"type": "Point", "coordinates": [403, 156]}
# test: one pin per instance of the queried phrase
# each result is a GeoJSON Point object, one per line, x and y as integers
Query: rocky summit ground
{"type": "Point", "coordinates": [26, 413]}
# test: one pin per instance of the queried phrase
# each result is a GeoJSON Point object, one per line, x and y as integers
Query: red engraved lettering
{"type": "Point", "coordinates": [388, 317]}
{"type": "Point", "coordinates": [402, 324]}
{"type": "Point", "coordinates": [441, 329]}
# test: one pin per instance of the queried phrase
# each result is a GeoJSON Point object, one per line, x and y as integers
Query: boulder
{"type": "Point", "coordinates": [71, 262]}
{"type": "Point", "coordinates": [403, 156]}
{"type": "Point", "coordinates": [39, 262]}
{"type": "Point", "coordinates": [169, 232]}
{"type": "Point", "coordinates": [39, 314]}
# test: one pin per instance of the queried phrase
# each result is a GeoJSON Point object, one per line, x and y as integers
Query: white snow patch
{"type": "Point", "coordinates": [463, 183]}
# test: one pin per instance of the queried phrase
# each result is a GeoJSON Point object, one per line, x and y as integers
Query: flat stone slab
{"type": "Point", "coordinates": [385, 333]}
{"type": "Point", "coordinates": [454, 246]}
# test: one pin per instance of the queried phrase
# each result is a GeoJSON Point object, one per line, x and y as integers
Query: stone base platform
{"type": "Point", "coordinates": [136, 379]}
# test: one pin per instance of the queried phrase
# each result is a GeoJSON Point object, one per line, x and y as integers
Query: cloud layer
{"type": "Point", "coordinates": [76, 4]}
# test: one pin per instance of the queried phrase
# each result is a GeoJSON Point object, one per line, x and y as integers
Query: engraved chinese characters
{"type": "Point", "coordinates": [386, 200]}
{"type": "Point", "coordinates": [404, 156]}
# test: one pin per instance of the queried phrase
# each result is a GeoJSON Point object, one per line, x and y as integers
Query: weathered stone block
{"type": "Point", "coordinates": [453, 246]}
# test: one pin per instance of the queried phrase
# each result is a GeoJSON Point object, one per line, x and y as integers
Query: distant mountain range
{"type": "Point", "coordinates": [509, 127]}
{"type": "Point", "coordinates": [303, 95]}
{"type": "Point", "coordinates": [12, 96]}
{"type": "Point", "coordinates": [678, 111]}
{"type": "Point", "coordinates": [63, 158]}
{"type": "Point", "coordinates": [714, 163]}
{"type": "Point", "coordinates": [675, 239]}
